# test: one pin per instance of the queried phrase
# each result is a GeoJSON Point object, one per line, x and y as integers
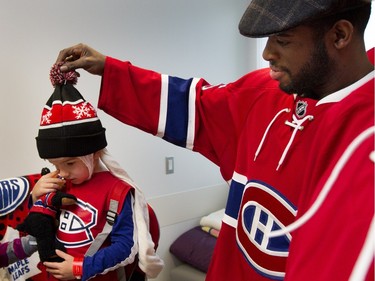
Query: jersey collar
{"type": "Point", "coordinates": [341, 94]}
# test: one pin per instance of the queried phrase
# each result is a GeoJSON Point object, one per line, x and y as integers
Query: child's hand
{"type": "Point", "coordinates": [47, 183]}
{"type": "Point", "coordinates": [61, 270]}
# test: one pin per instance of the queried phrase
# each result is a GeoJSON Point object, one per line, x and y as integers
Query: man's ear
{"type": "Point", "coordinates": [342, 33]}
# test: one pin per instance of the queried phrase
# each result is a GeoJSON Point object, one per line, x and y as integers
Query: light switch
{"type": "Point", "coordinates": [169, 165]}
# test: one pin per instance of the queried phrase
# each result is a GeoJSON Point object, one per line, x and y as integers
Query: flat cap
{"type": "Point", "coordinates": [266, 17]}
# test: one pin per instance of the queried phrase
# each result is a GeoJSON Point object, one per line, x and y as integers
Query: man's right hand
{"type": "Point", "coordinates": [82, 56]}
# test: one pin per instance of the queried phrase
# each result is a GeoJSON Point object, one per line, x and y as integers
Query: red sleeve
{"type": "Point", "coordinates": [208, 119]}
{"type": "Point", "coordinates": [131, 94]}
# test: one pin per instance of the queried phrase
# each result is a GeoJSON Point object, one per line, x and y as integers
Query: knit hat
{"type": "Point", "coordinates": [69, 126]}
{"type": "Point", "coordinates": [266, 17]}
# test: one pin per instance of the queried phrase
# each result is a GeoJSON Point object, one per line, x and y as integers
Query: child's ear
{"type": "Point", "coordinates": [97, 155]}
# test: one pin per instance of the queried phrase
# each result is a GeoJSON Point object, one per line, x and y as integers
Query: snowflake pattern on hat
{"type": "Point", "coordinates": [83, 110]}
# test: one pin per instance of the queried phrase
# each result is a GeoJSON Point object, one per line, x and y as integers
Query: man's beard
{"type": "Point", "coordinates": [315, 73]}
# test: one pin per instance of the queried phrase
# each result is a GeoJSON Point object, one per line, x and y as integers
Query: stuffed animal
{"type": "Point", "coordinates": [41, 223]}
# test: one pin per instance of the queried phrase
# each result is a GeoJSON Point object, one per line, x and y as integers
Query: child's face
{"type": "Point", "coordinates": [71, 168]}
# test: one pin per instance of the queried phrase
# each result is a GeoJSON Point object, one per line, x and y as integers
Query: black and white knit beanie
{"type": "Point", "coordinates": [69, 125]}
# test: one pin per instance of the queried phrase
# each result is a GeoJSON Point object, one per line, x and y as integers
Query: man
{"type": "Point", "coordinates": [259, 136]}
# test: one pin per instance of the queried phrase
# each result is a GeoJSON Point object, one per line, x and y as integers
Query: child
{"type": "Point", "coordinates": [72, 138]}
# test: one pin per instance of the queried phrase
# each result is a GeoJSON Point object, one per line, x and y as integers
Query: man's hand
{"type": "Point", "coordinates": [81, 56]}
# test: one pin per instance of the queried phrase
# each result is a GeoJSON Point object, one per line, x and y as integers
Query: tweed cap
{"type": "Point", "coordinates": [266, 17]}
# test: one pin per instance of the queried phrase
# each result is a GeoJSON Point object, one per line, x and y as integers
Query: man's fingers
{"type": "Point", "coordinates": [71, 65]}
{"type": "Point", "coordinates": [81, 56]}
{"type": "Point", "coordinates": [69, 58]}
{"type": "Point", "coordinates": [70, 54]}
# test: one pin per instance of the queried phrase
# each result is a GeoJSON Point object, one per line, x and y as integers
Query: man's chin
{"type": "Point", "coordinates": [287, 89]}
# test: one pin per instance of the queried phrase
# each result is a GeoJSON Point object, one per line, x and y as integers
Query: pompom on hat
{"type": "Point", "coordinates": [69, 125]}
{"type": "Point", "coordinates": [267, 17]}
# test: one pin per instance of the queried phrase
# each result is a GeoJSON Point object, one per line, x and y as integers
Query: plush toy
{"type": "Point", "coordinates": [41, 223]}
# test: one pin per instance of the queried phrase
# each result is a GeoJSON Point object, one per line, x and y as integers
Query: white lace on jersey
{"type": "Point", "coordinates": [296, 123]}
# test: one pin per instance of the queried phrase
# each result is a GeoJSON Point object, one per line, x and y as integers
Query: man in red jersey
{"type": "Point", "coordinates": [260, 129]}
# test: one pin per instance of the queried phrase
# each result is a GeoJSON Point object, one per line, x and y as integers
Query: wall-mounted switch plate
{"type": "Point", "coordinates": [169, 165]}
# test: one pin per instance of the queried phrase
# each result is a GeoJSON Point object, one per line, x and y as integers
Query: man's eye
{"type": "Point", "coordinates": [282, 42]}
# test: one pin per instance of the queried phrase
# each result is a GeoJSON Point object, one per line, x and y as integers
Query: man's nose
{"type": "Point", "coordinates": [269, 53]}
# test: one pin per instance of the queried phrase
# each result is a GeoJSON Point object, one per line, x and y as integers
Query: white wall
{"type": "Point", "coordinates": [184, 38]}
{"type": "Point", "coordinates": [370, 30]}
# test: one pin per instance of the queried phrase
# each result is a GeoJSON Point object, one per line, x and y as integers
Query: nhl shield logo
{"type": "Point", "coordinates": [301, 108]}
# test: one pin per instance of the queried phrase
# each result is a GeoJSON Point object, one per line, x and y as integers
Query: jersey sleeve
{"type": "Point", "coordinates": [122, 249]}
{"type": "Point", "coordinates": [189, 113]}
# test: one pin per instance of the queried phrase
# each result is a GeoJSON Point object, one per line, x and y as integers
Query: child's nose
{"type": "Point", "coordinates": [63, 174]}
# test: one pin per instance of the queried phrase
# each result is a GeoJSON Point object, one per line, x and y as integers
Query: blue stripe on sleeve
{"type": "Point", "coordinates": [234, 199]}
{"type": "Point", "coordinates": [177, 112]}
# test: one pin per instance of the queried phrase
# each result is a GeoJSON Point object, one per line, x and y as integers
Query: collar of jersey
{"type": "Point", "coordinates": [341, 94]}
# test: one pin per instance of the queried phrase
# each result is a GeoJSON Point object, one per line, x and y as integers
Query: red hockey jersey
{"type": "Point", "coordinates": [79, 224]}
{"type": "Point", "coordinates": [328, 246]}
{"type": "Point", "coordinates": [259, 136]}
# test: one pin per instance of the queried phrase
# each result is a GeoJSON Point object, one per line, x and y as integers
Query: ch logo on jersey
{"type": "Point", "coordinates": [256, 219]}
{"type": "Point", "coordinates": [76, 222]}
{"type": "Point", "coordinates": [301, 108]}
{"type": "Point", "coordinates": [13, 192]}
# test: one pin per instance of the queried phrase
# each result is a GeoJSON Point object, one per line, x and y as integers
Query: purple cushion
{"type": "Point", "coordinates": [194, 247]}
